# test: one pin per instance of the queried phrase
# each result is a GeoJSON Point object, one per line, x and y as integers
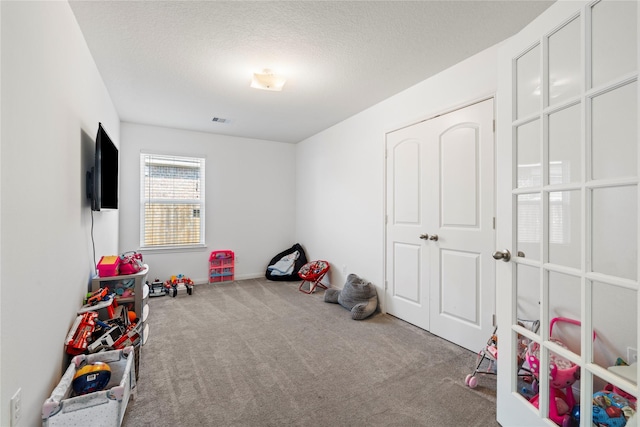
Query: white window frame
{"type": "Point", "coordinates": [201, 201]}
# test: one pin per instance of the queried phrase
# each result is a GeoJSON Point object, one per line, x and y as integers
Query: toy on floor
{"type": "Point", "coordinates": [131, 337]}
{"type": "Point", "coordinates": [106, 338]}
{"type": "Point", "coordinates": [624, 370]}
{"type": "Point", "coordinates": [358, 296]}
{"type": "Point", "coordinates": [177, 284]}
{"type": "Point", "coordinates": [562, 374]}
{"type": "Point", "coordinates": [611, 409]}
{"type": "Point", "coordinates": [79, 336]}
{"type": "Point", "coordinates": [115, 333]}
{"type": "Point", "coordinates": [488, 357]}
{"type": "Point", "coordinates": [486, 362]}
{"type": "Point", "coordinates": [313, 272]}
{"type": "Point", "coordinates": [157, 289]}
{"type": "Point", "coordinates": [105, 407]}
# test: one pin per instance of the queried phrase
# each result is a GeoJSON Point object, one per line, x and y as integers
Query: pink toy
{"type": "Point", "coordinates": [562, 374]}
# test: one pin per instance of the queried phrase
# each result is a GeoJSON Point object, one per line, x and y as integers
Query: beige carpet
{"type": "Point", "coordinates": [260, 353]}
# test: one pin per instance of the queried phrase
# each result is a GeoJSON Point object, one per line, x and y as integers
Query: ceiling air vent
{"type": "Point", "coordinates": [220, 120]}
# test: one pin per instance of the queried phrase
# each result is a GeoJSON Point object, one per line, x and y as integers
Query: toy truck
{"type": "Point", "coordinates": [178, 284]}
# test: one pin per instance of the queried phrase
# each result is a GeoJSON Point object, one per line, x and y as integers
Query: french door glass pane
{"type": "Point", "coordinates": [561, 379]}
{"type": "Point", "coordinates": [565, 228]}
{"type": "Point", "coordinates": [615, 322]}
{"type": "Point", "coordinates": [608, 402]}
{"type": "Point", "coordinates": [529, 230]}
{"type": "Point", "coordinates": [565, 312]}
{"type": "Point", "coordinates": [525, 386]}
{"type": "Point", "coordinates": [564, 63]}
{"type": "Point", "coordinates": [614, 40]}
{"type": "Point", "coordinates": [528, 292]}
{"type": "Point", "coordinates": [615, 133]}
{"type": "Point", "coordinates": [529, 173]}
{"type": "Point", "coordinates": [528, 83]}
{"type": "Point", "coordinates": [562, 383]}
{"type": "Point", "coordinates": [614, 231]}
{"type": "Point", "coordinates": [565, 142]}
{"type": "Point", "coordinates": [564, 301]}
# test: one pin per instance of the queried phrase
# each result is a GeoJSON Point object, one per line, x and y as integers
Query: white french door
{"type": "Point", "coordinates": [567, 202]}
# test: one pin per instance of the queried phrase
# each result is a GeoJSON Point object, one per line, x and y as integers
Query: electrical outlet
{"type": "Point", "coordinates": [632, 355]}
{"type": "Point", "coordinates": [16, 408]}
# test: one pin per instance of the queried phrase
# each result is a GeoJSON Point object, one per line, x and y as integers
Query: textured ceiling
{"type": "Point", "coordinates": [181, 63]}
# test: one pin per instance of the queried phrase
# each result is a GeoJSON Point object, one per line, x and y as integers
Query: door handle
{"type": "Point", "coordinates": [504, 255]}
{"type": "Point", "coordinates": [433, 237]}
{"type": "Point", "coordinates": [424, 236]}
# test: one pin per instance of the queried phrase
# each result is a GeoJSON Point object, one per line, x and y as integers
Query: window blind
{"type": "Point", "coordinates": [172, 201]}
{"type": "Point", "coordinates": [559, 205]}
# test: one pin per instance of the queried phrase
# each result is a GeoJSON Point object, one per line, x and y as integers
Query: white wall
{"type": "Point", "coordinates": [52, 100]}
{"type": "Point", "coordinates": [2, 411]}
{"type": "Point", "coordinates": [340, 203]}
{"type": "Point", "coordinates": [250, 193]}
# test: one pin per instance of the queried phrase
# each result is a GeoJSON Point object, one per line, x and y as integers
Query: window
{"type": "Point", "coordinates": [171, 201]}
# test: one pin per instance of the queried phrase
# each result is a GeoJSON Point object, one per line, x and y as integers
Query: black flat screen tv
{"type": "Point", "coordinates": [102, 179]}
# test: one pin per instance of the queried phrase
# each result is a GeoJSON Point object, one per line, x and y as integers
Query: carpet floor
{"type": "Point", "coordinates": [261, 353]}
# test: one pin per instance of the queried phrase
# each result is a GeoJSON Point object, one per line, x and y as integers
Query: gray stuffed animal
{"type": "Point", "coordinates": [357, 295]}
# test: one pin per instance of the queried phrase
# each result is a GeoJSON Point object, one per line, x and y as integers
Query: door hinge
{"type": "Point", "coordinates": [493, 320]}
{"type": "Point", "coordinates": [385, 285]}
{"type": "Point", "coordinates": [494, 125]}
{"type": "Point", "coordinates": [494, 222]}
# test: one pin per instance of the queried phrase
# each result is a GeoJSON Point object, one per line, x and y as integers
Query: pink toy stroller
{"type": "Point", "coordinates": [562, 373]}
{"type": "Point", "coordinates": [488, 356]}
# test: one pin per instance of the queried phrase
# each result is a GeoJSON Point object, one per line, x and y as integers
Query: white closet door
{"type": "Point", "coordinates": [440, 236]}
{"type": "Point", "coordinates": [407, 250]}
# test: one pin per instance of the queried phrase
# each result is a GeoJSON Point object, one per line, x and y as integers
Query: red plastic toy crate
{"type": "Point", "coordinates": [221, 266]}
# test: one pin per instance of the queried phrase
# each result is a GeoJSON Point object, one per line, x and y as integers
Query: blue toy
{"type": "Point", "coordinates": [91, 377]}
{"type": "Point", "coordinates": [611, 409]}
{"type": "Point", "coordinates": [575, 415]}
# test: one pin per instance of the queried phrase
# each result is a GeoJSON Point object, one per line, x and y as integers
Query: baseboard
{"type": "Point", "coordinates": [205, 281]}
{"type": "Point", "coordinates": [249, 276]}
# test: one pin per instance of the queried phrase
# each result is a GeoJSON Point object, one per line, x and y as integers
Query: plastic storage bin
{"type": "Point", "coordinates": [109, 266]}
{"type": "Point", "coordinates": [131, 291]}
{"type": "Point", "coordinates": [97, 409]}
{"type": "Point", "coordinates": [221, 266]}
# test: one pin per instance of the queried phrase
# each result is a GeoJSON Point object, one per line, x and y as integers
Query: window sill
{"type": "Point", "coordinates": [173, 249]}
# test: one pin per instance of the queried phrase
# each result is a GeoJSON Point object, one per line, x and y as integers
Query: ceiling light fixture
{"type": "Point", "coordinates": [267, 80]}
